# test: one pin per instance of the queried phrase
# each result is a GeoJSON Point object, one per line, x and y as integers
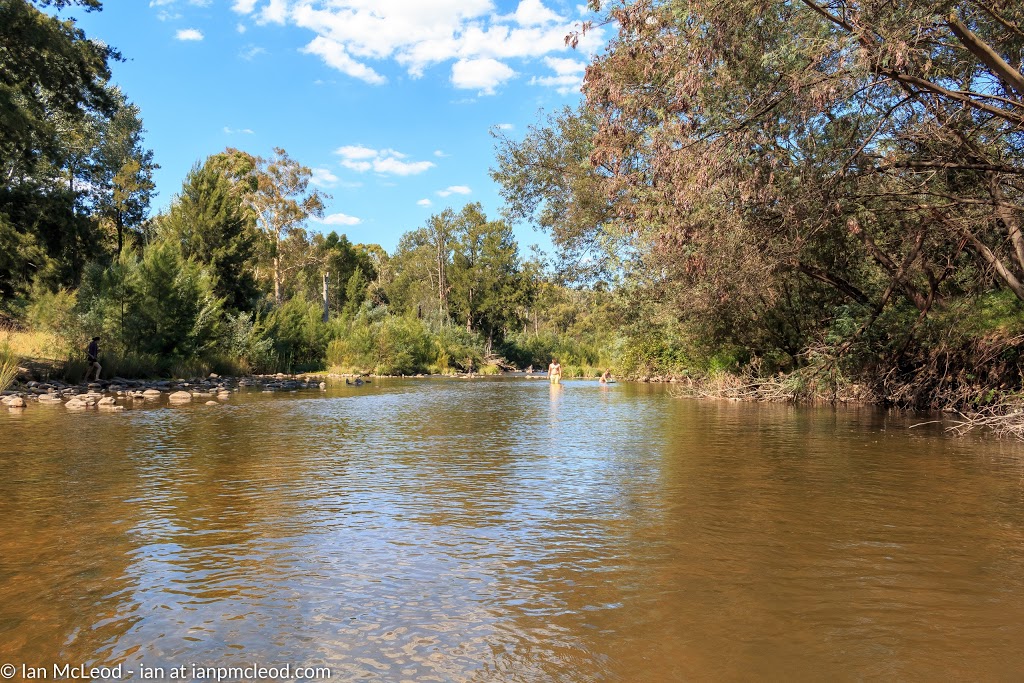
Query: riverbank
{"type": "Point", "coordinates": [115, 394]}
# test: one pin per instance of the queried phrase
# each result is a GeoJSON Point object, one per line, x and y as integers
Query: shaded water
{"type": "Point", "coordinates": [506, 530]}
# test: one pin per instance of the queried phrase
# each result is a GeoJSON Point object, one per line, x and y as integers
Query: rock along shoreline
{"type": "Point", "coordinates": [115, 395]}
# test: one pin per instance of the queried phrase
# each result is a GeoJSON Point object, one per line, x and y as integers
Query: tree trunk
{"type": "Point", "coordinates": [277, 279]}
{"type": "Point", "coordinates": [1002, 272]}
{"type": "Point", "coordinates": [327, 312]}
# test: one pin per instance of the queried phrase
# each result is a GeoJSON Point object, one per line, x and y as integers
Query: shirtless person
{"type": "Point", "coordinates": [554, 371]}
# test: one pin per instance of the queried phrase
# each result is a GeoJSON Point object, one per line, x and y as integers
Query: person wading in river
{"type": "Point", "coordinates": [554, 372]}
{"type": "Point", "coordinates": [92, 354]}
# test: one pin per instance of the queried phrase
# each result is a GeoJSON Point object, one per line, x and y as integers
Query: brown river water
{"type": "Point", "coordinates": [505, 530]}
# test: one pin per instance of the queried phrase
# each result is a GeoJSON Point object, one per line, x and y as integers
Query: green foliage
{"type": "Point", "coordinates": [8, 366]}
{"type": "Point", "coordinates": [246, 343]}
{"type": "Point", "coordinates": [487, 291]}
{"type": "Point", "coordinates": [403, 345]}
{"type": "Point", "coordinates": [159, 303]}
{"type": "Point", "coordinates": [209, 220]}
{"type": "Point", "coordinates": [355, 294]}
{"type": "Point", "coordinates": [299, 334]}
{"type": "Point", "coordinates": [51, 74]}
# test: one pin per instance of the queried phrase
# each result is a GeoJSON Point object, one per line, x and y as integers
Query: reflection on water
{"type": "Point", "coordinates": [511, 530]}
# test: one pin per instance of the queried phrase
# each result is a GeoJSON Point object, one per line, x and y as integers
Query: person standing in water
{"type": "Point", "coordinates": [92, 357]}
{"type": "Point", "coordinates": [554, 371]}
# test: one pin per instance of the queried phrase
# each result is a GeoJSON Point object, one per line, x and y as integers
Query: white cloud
{"type": "Point", "coordinates": [385, 161]}
{"type": "Point", "coordinates": [243, 131]}
{"type": "Point", "coordinates": [568, 75]}
{"type": "Point", "coordinates": [454, 189]}
{"type": "Point", "coordinates": [189, 34]}
{"type": "Point", "coordinates": [252, 52]}
{"type": "Point", "coordinates": [424, 202]}
{"type": "Point", "coordinates": [505, 126]}
{"type": "Point", "coordinates": [160, 3]}
{"type": "Point", "coordinates": [480, 74]}
{"type": "Point", "coordinates": [418, 34]}
{"type": "Point", "coordinates": [276, 12]}
{"type": "Point", "coordinates": [398, 167]}
{"type": "Point", "coordinates": [356, 152]}
{"type": "Point", "coordinates": [336, 56]}
{"type": "Point", "coordinates": [240, 28]}
{"type": "Point", "coordinates": [244, 6]}
{"type": "Point", "coordinates": [439, 153]}
{"type": "Point", "coordinates": [323, 177]}
{"type": "Point", "coordinates": [200, 3]}
{"type": "Point", "coordinates": [565, 67]}
{"type": "Point", "coordinates": [361, 166]}
{"type": "Point", "coordinates": [341, 219]}
{"type": "Point", "coordinates": [534, 13]}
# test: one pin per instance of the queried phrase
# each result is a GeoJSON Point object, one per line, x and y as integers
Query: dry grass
{"type": "Point", "coordinates": [8, 366]}
{"type": "Point", "coordinates": [806, 386]}
{"type": "Point", "coordinates": [33, 344]}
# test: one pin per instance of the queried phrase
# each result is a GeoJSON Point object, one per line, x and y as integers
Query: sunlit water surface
{"type": "Point", "coordinates": [505, 530]}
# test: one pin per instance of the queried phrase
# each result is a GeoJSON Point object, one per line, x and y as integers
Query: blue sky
{"type": "Point", "coordinates": [390, 102]}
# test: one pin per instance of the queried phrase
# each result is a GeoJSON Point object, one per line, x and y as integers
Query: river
{"type": "Point", "coordinates": [506, 530]}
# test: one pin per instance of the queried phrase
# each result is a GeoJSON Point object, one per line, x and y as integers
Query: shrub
{"type": "Point", "coordinates": [298, 333]}
{"type": "Point", "coordinates": [8, 366]}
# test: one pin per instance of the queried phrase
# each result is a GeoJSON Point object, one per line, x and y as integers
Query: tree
{"type": "Point", "coordinates": [49, 72]}
{"type": "Point", "coordinates": [282, 204]}
{"type": "Point", "coordinates": [548, 179]}
{"type": "Point", "coordinates": [487, 287]}
{"type": "Point", "coordinates": [155, 303]}
{"type": "Point", "coordinates": [123, 179]}
{"type": "Point", "coordinates": [209, 220]}
{"type": "Point", "coordinates": [53, 90]}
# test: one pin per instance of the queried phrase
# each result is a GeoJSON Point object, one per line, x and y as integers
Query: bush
{"type": "Point", "coordinates": [157, 304]}
{"type": "Point", "coordinates": [8, 366]}
{"type": "Point", "coordinates": [538, 350]}
{"type": "Point", "coordinates": [393, 345]}
{"type": "Point", "coordinates": [298, 335]}
{"type": "Point", "coordinates": [247, 347]}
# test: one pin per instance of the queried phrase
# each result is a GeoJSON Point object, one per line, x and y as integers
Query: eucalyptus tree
{"type": "Point", "coordinates": [282, 202]}
{"type": "Point", "coordinates": [123, 177]}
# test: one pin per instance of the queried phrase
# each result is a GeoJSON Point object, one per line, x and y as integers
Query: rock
{"type": "Point", "coordinates": [76, 404]}
{"type": "Point", "coordinates": [106, 401]}
{"type": "Point", "coordinates": [180, 397]}
{"type": "Point", "coordinates": [151, 394]}
{"type": "Point", "coordinates": [16, 402]}
{"type": "Point", "coordinates": [212, 403]}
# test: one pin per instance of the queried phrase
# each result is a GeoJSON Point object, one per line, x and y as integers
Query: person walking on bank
{"type": "Point", "coordinates": [93, 358]}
